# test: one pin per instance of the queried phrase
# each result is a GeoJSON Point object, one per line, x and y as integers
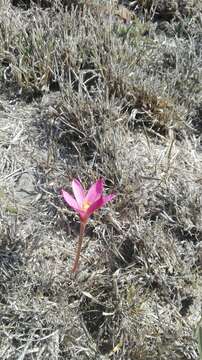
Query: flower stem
{"type": "Point", "coordinates": [81, 235]}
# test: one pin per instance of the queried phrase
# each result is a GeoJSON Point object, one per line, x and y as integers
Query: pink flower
{"type": "Point", "coordinates": [85, 203]}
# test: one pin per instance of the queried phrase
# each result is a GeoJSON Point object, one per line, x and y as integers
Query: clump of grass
{"type": "Point", "coordinates": [167, 10]}
{"type": "Point", "coordinates": [38, 61]}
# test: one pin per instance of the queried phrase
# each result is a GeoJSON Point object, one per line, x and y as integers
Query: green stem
{"type": "Point", "coordinates": [81, 235]}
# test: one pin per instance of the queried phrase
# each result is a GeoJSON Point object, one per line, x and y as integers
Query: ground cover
{"type": "Point", "coordinates": [100, 89]}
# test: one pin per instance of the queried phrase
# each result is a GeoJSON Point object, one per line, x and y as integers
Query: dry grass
{"type": "Point", "coordinates": [87, 92]}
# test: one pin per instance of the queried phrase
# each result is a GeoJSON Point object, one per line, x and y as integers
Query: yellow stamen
{"type": "Point", "coordinates": [85, 205]}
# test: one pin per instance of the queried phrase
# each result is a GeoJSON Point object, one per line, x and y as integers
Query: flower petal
{"type": "Point", "coordinates": [108, 198]}
{"type": "Point", "coordinates": [95, 191]}
{"type": "Point", "coordinates": [83, 216]}
{"type": "Point", "coordinates": [96, 205]}
{"type": "Point", "coordinates": [78, 191]}
{"type": "Point", "coordinates": [70, 200]}
{"type": "Point", "coordinates": [99, 203]}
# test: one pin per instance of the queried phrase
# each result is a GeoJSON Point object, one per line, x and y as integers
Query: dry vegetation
{"type": "Point", "coordinates": [90, 89]}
